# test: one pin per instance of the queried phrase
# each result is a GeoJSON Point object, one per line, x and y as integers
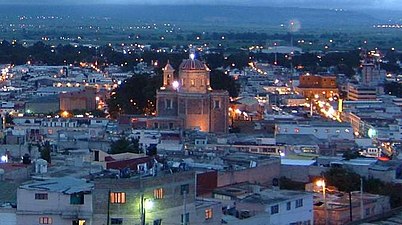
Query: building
{"type": "Point", "coordinates": [338, 207]}
{"type": "Point", "coordinates": [164, 199]}
{"type": "Point", "coordinates": [361, 93]}
{"type": "Point", "coordinates": [317, 85]}
{"type": "Point", "coordinates": [61, 201]}
{"type": "Point", "coordinates": [45, 105]}
{"type": "Point", "coordinates": [253, 204]}
{"type": "Point", "coordinates": [80, 100]}
{"type": "Point", "coordinates": [189, 102]}
{"type": "Point", "coordinates": [372, 75]}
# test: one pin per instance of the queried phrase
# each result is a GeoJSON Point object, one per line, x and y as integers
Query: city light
{"type": "Point", "coordinates": [4, 158]}
{"type": "Point", "coordinates": [175, 85]}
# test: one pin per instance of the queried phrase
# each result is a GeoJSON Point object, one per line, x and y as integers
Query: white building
{"type": "Point", "coordinates": [261, 207]}
{"type": "Point", "coordinates": [320, 129]}
{"type": "Point", "coordinates": [61, 201]}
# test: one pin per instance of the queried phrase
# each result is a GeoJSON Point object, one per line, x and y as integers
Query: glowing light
{"type": "Point", "coordinates": [4, 158]}
{"type": "Point", "coordinates": [175, 84]}
{"type": "Point", "coordinates": [148, 204]}
{"type": "Point", "coordinates": [320, 183]}
{"type": "Point", "coordinates": [192, 56]}
{"type": "Point", "coordinates": [65, 114]}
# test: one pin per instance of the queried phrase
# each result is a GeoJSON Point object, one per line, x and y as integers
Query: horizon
{"type": "Point", "coordinates": [313, 4]}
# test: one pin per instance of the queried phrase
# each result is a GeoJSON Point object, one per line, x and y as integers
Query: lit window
{"type": "Point", "coordinates": [299, 203]}
{"type": "Point", "coordinates": [183, 82]}
{"type": "Point", "coordinates": [202, 82]}
{"type": "Point", "coordinates": [192, 83]}
{"type": "Point", "coordinates": [117, 197]}
{"type": "Point", "coordinates": [79, 222]}
{"type": "Point", "coordinates": [45, 220]}
{"type": "Point", "coordinates": [158, 193]}
{"type": "Point", "coordinates": [274, 209]}
{"type": "Point", "coordinates": [297, 130]}
{"type": "Point", "coordinates": [338, 131]}
{"type": "Point", "coordinates": [41, 196]}
{"type": "Point", "coordinates": [347, 130]}
{"type": "Point", "coordinates": [208, 214]}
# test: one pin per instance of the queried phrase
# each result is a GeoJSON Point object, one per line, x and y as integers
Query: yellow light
{"type": "Point", "coordinates": [320, 183]}
{"type": "Point", "coordinates": [65, 114]}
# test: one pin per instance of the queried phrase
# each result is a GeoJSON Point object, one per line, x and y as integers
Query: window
{"type": "Point", "coordinates": [192, 83]}
{"type": "Point", "coordinates": [202, 82]}
{"type": "Point", "coordinates": [158, 222]}
{"type": "Point", "coordinates": [41, 196]}
{"type": "Point", "coordinates": [158, 193]}
{"type": "Point", "coordinates": [168, 104]}
{"type": "Point", "coordinates": [185, 219]}
{"type": "Point", "coordinates": [45, 220]}
{"type": "Point", "coordinates": [171, 126]}
{"type": "Point", "coordinates": [299, 203]}
{"type": "Point", "coordinates": [297, 130]}
{"type": "Point", "coordinates": [274, 209]}
{"type": "Point", "coordinates": [117, 197]}
{"type": "Point", "coordinates": [183, 82]}
{"type": "Point", "coordinates": [156, 125]}
{"type": "Point", "coordinates": [77, 199]}
{"type": "Point", "coordinates": [217, 104]}
{"type": "Point", "coordinates": [288, 205]}
{"type": "Point", "coordinates": [368, 212]}
{"type": "Point", "coordinates": [79, 222]}
{"type": "Point", "coordinates": [114, 221]}
{"type": "Point", "coordinates": [184, 189]}
{"type": "Point", "coordinates": [208, 214]}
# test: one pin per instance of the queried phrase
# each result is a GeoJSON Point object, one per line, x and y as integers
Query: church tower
{"type": "Point", "coordinates": [168, 76]}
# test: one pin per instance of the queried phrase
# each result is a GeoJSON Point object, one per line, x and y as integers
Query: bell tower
{"type": "Point", "coordinates": [168, 76]}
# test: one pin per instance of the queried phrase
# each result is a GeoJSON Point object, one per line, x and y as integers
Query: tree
{"type": "Point", "coordinates": [221, 81]}
{"type": "Point", "coordinates": [45, 152]}
{"type": "Point", "coordinates": [124, 145]}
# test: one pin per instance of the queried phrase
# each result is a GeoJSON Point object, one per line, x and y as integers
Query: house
{"type": "Point", "coordinates": [61, 201]}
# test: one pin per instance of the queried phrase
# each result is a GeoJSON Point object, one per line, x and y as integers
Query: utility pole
{"type": "Point", "coordinates": [108, 208]}
{"type": "Point", "coordinates": [184, 222]}
{"type": "Point", "coordinates": [361, 199]}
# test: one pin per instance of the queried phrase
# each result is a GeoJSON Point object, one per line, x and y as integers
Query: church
{"type": "Point", "coordinates": [188, 101]}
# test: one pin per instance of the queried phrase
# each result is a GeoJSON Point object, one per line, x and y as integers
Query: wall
{"type": "Point", "coordinates": [262, 174]}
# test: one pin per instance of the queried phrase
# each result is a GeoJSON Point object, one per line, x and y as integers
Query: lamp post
{"type": "Point", "coordinates": [146, 204]}
{"type": "Point", "coordinates": [321, 183]}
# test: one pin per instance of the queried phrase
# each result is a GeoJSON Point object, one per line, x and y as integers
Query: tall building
{"type": "Point", "coordinates": [372, 75]}
{"type": "Point", "coordinates": [312, 85]}
{"type": "Point", "coordinates": [189, 101]}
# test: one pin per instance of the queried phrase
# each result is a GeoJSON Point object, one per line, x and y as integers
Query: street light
{"type": "Point", "coordinates": [321, 183]}
{"type": "Point", "coordinates": [146, 204]}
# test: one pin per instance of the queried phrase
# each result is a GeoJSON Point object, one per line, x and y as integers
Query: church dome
{"type": "Point", "coordinates": [192, 64]}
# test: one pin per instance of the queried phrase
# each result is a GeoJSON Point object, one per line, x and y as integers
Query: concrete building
{"type": "Point", "coordinates": [361, 93]}
{"type": "Point", "coordinates": [172, 197]}
{"type": "Point", "coordinates": [338, 207]}
{"type": "Point", "coordinates": [312, 85]}
{"type": "Point", "coordinates": [61, 201]}
{"type": "Point", "coordinates": [253, 204]}
{"type": "Point", "coordinates": [320, 129]}
{"type": "Point", "coordinates": [80, 100]}
{"type": "Point", "coordinates": [189, 102]}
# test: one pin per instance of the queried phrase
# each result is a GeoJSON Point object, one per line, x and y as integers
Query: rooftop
{"type": "Point", "coordinates": [65, 185]}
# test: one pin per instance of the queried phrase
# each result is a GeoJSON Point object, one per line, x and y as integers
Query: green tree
{"type": "Point", "coordinates": [124, 145]}
{"type": "Point", "coordinates": [343, 179]}
{"type": "Point", "coordinates": [45, 152]}
{"type": "Point", "coordinates": [222, 81]}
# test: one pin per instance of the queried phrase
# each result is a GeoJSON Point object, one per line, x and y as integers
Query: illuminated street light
{"type": "Point", "coordinates": [148, 204]}
{"type": "Point", "coordinates": [175, 85]}
{"type": "Point", "coordinates": [321, 183]}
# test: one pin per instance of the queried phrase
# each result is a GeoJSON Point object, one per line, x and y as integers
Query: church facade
{"type": "Point", "coordinates": [188, 101]}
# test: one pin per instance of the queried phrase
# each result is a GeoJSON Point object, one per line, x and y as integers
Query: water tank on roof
{"type": "Point", "coordinates": [41, 166]}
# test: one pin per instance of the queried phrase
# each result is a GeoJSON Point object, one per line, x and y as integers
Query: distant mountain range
{"type": "Point", "coordinates": [207, 14]}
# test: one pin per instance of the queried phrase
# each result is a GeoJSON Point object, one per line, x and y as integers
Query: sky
{"type": "Point", "coordinates": [355, 4]}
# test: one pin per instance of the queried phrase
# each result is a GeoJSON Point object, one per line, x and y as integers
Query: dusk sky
{"type": "Point", "coordinates": [390, 4]}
